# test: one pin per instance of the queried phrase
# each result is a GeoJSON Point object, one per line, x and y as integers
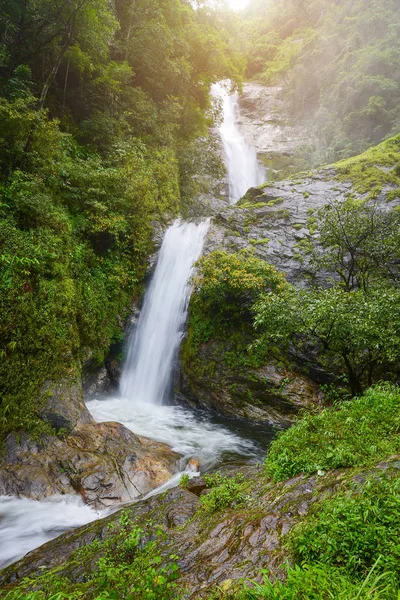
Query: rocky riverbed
{"type": "Point", "coordinates": [212, 549]}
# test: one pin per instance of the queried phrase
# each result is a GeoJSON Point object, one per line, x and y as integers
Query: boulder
{"type": "Point", "coordinates": [103, 462]}
{"type": "Point", "coordinates": [272, 394]}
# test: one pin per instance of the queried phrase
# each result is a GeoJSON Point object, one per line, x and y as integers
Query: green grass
{"type": "Point", "coordinates": [354, 529]}
{"type": "Point", "coordinates": [320, 582]}
{"type": "Point", "coordinates": [371, 171]}
{"type": "Point", "coordinates": [352, 433]}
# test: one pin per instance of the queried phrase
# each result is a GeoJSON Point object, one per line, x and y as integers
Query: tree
{"type": "Point", "coordinates": [358, 329]}
{"type": "Point", "coordinates": [359, 242]}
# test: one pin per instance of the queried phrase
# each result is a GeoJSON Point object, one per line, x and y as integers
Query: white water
{"type": "Point", "coordinates": [145, 388]}
{"type": "Point", "coordinates": [244, 170]}
{"type": "Point", "coordinates": [26, 524]}
{"type": "Point", "coordinates": [190, 433]}
{"type": "Point", "coordinates": [153, 346]}
{"type": "Point", "coordinates": [145, 385]}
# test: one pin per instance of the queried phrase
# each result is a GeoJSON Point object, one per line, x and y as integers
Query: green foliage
{"type": "Point", "coordinates": [357, 330]}
{"type": "Point", "coordinates": [322, 582]}
{"type": "Point", "coordinates": [184, 480]}
{"type": "Point", "coordinates": [354, 529]}
{"type": "Point", "coordinates": [352, 433]}
{"type": "Point", "coordinates": [339, 64]}
{"type": "Point", "coordinates": [122, 144]}
{"type": "Point", "coordinates": [128, 567]}
{"type": "Point", "coordinates": [226, 288]}
{"type": "Point", "coordinates": [358, 242]}
{"type": "Point", "coordinates": [226, 492]}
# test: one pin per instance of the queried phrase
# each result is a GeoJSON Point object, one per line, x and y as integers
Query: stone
{"type": "Point", "coordinates": [213, 549]}
{"type": "Point", "coordinates": [103, 462]}
{"type": "Point", "coordinates": [62, 404]}
{"type": "Point", "coordinates": [194, 464]}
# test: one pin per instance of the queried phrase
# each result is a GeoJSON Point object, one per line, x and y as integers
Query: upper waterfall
{"type": "Point", "coordinates": [153, 346]}
{"type": "Point", "coordinates": [244, 170]}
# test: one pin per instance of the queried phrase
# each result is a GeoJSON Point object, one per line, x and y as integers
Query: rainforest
{"type": "Point", "coordinates": [199, 299]}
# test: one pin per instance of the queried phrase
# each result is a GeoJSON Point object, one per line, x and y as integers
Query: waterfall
{"type": "Point", "coordinates": [244, 170]}
{"type": "Point", "coordinates": [153, 346]}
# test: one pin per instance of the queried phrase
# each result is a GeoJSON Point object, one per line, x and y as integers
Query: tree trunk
{"type": "Point", "coordinates": [355, 384]}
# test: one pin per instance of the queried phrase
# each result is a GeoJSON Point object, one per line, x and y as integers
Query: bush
{"type": "Point", "coordinates": [225, 493]}
{"type": "Point", "coordinates": [124, 566]}
{"type": "Point", "coordinates": [319, 582]}
{"type": "Point", "coordinates": [225, 291]}
{"type": "Point", "coordinates": [353, 530]}
{"type": "Point", "coordinates": [353, 433]}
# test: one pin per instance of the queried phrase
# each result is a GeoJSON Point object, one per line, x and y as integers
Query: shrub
{"type": "Point", "coordinates": [225, 492]}
{"type": "Point", "coordinates": [124, 566]}
{"type": "Point", "coordinates": [319, 582]}
{"type": "Point", "coordinates": [353, 529]}
{"type": "Point", "coordinates": [353, 433]}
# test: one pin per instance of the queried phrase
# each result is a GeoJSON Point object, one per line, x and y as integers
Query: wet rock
{"type": "Point", "coordinates": [212, 549]}
{"type": "Point", "coordinates": [194, 464]}
{"type": "Point", "coordinates": [63, 406]}
{"type": "Point", "coordinates": [272, 394]}
{"type": "Point", "coordinates": [265, 122]}
{"type": "Point", "coordinates": [97, 383]}
{"type": "Point", "coordinates": [103, 462]}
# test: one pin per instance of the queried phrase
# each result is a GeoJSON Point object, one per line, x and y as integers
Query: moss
{"type": "Point", "coordinates": [374, 169]}
{"type": "Point", "coordinates": [260, 242]}
{"type": "Point", "coordinates": [275, 201]}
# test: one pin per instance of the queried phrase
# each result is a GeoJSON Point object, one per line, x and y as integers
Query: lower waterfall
{"type": "Point", "coordinates": [153, 346]}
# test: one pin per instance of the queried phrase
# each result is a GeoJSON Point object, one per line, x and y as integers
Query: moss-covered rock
{"type": "Point", "coordinates": [230, 544]}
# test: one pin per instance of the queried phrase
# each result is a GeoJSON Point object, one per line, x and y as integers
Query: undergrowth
{"type": "Point", "coordinates": [351, 433]}
{"type": "Point", "coordinates": [126, 566]}
{"type": "Point", "coordinates": [225, 492]}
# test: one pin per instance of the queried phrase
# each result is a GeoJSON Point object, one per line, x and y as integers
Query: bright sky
{"type": "Point", "coordinates": [237, 4]}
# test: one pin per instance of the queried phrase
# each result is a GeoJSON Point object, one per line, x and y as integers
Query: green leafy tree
{"type": "Point", "coordinates": [359, 242]}
{"type": "Point", "coordinates": [356, 329]}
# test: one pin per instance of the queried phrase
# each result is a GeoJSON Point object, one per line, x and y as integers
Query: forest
{"type": "Point", "coordinates": [110, 130]}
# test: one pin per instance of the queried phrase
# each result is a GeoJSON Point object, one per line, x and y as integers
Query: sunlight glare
{"type": "Point", "coordinates": [238, 4]}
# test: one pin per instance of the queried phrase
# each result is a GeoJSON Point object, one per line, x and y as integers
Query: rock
{"type": "Point", "coordinates": [272, 394]}
{"type": "Point", "coordinates": [212, 549]}
{"type": "Point", "coordinates": [265, 122]}
{"type": "Point", "coordinates": [97, 383]}
{"type": "Point", "coordinates": [194, 465]}
{"type": "Point", "coordinates": [63, 406]}
{"type": "Point", "coordinates": [103, 462]}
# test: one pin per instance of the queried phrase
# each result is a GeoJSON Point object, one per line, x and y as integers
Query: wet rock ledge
{"type": "Point", "coordinates": [105, 463]}
{"type": "Point", "coordinates": [216, 549]}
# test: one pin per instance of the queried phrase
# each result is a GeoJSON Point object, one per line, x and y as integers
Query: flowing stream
{"type": "Point", "coordinates": [244, 170]}
{"type": "Point", "coordinates": [143, 403]}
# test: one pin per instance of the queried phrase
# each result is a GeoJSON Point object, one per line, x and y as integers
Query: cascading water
{"type": "Point", "coordinates": [153, 346]}
{"type": "Point", "coordinates": [147, 375]}
{"type": "Point", "coordinates": [244, 170]}
{"type": "Point", "coordinates": [145, 387]}
{"type": "Point", "coordinates": [26, 524]}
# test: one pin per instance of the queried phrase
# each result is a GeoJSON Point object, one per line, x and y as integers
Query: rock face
{"type": "Point", "coordinates": [276, 220]}
{"type": "Point", "coordinates": [103, 462]}
{"type": "Point", "coordinates": [271, 394]}
{"type": "Point", "coordinates": [214, 550]}
{"type": "Point", "coordinates": [278, 223]}
{"type": "Point", "coordinates": [265, 122]}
